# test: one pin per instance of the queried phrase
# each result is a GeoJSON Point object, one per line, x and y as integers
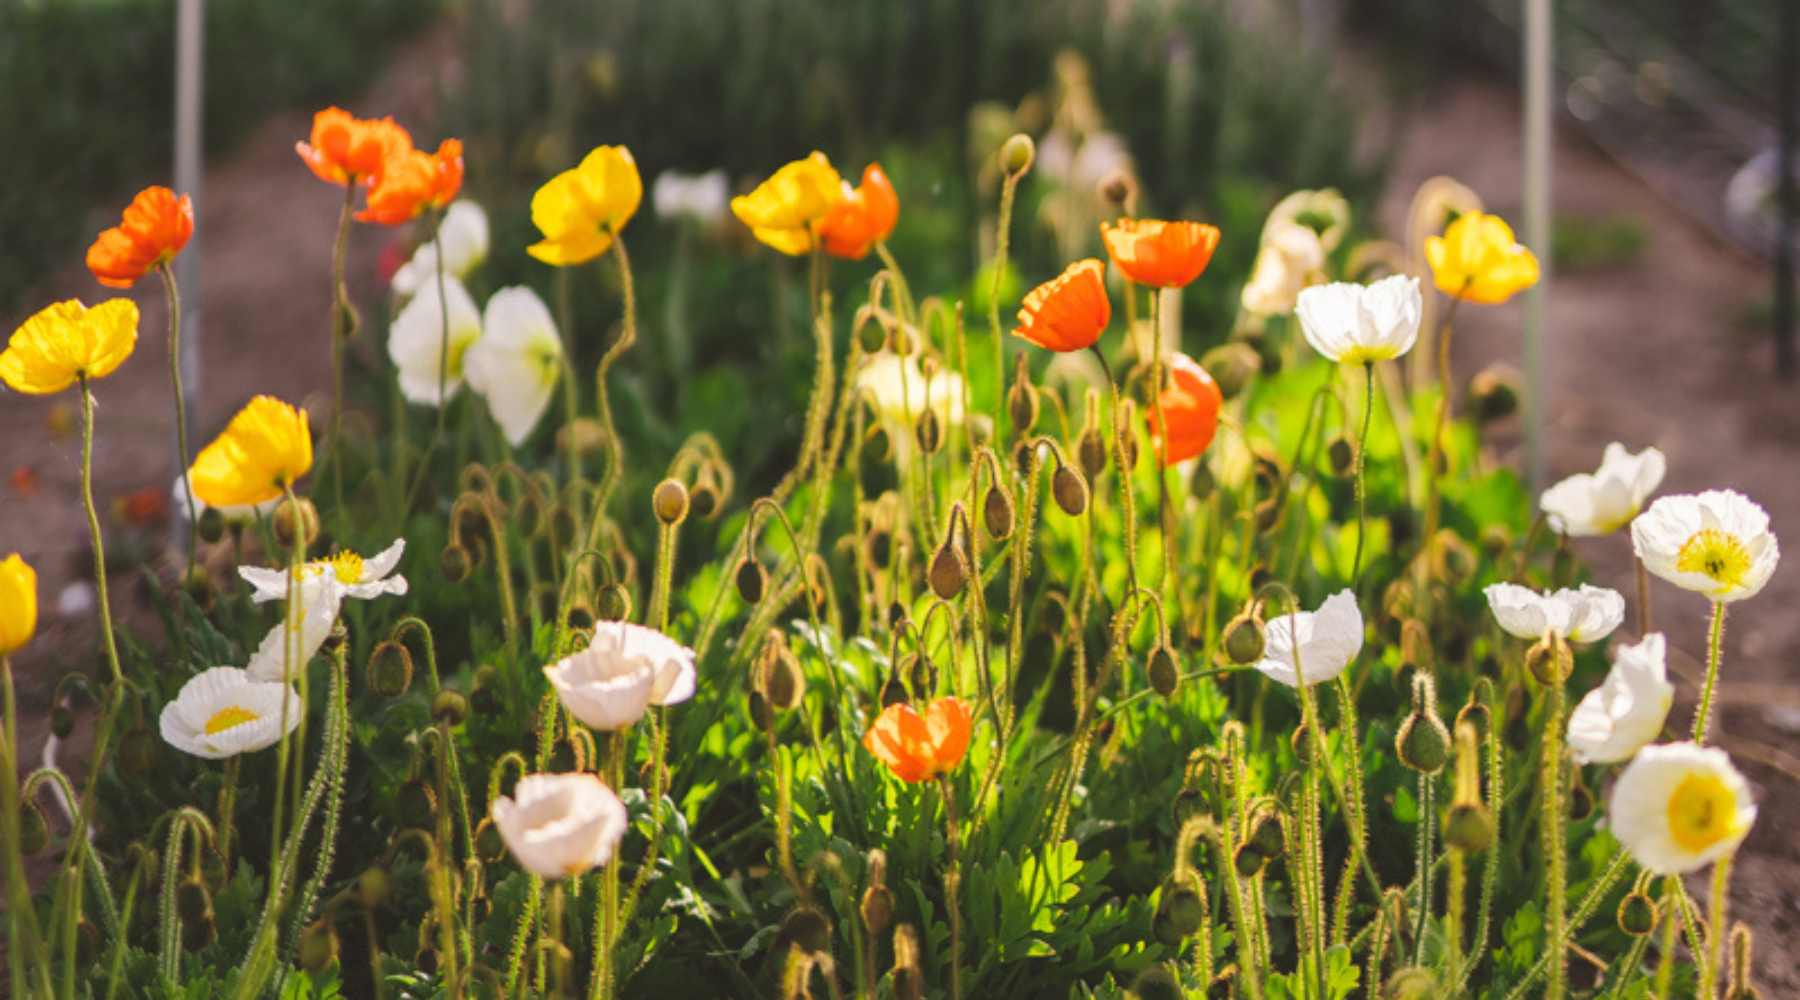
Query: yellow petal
{"type": "Point", "coordinates": [18, 603]}
{"type": "Point", "coordinates": [113, 329]}
{"type": "Point", "coordinates": [793, 242]}
{"type": "Point", "coordinates": [573, 248]}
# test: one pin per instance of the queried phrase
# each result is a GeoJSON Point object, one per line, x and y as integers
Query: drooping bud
{"type": "Point", "coordinates": [1266, 514]}
{"type": "Point", "coordinates": [211, 526]}
{"type": "Point", "coordinates": [997, 511]}
{"type": "Point", "coordinates": [1452, 561]}
{"type": "Point", "coordinates": [1017, 155]}
{"type": "Point", "coordinates": [1340, 455]}
{"type": "Point", "coordinates": [893, 690]}
{"type": "Point", "coordinates": [949, 570]}
{"type": "Point", "coordinates": [62, 720]}
{"type": "Point", "coordinates": [612, 603]}
{"type": "Point", "coordinates": [375, 886]}
{"type": "Point", "coordinates": [807, 928]}
{"type": "Point", "coordinates": [1423, 744]}
{"type": "Point", "coordinates": [192, 902]}
{"type": "Point", "coordinates": [929, 432]}
{"type": "Point", "coordinates": [1119, 189]}
{"type": "Point", "coordinates": [1494, 393]}
{"type": "Point", "coordinates": [318, 946]}
{"type": "Point", "coordinates": [455, 563]}
{"type": "Point", "coordinates": [1124, 422]}
{"type": "Point", "coordinates": [1411, 984]}
{"type": "Point", "coordinates": [762, 714]}
{"type": "Point", "coordinates": [34, 833]}
{"type": "Point", "coordinates": [484, 697]}
{"type": "Point", "coordinates": [414, 803]}
{"type": "Point", "coordinates": [450, 706]}
{"type": "Point", "coordinates": [877, 907]}
{"type": "Point", "coordinates": [1090, 450]}
{"type": "Point", "coordinates": [670, 502]}
{"type": "Point", "coordinates": [1581, 798]}
{"type": "Point", "coordinates": [1165, 676]}
{"type": "Point", "coordinates": [1244, 637]}
{"type": "Point", "coordinates": [199, 934]}
{"type": "Point", "coordinates": [1468, 827]}
{"type": "Point", "coordinates": [296, 518]}
{"type": "Point", "coordinates": [197, 583]}
{"type": "Point", "coordinates": [1232, 365]}
{"type": "Point", "coordinates": [751, 580]}
{"type": "Point", "coordinates": [783, 680]}
{"type": "Point", "coordinates": [705, 498]}
{"type": "Point", "coordinates": [1185, 906]}
{"type": "Point", "coordinates": [1070, 491]}
{"type": "Point", "coordinates": [390, 669]}
{"type": "Point", "coordinates": [1638, 914]}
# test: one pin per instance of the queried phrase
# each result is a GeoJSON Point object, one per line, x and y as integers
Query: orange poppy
{"type": "Point", "coordinates": [1155, 252]}
{"type": "Point", "coordinates": [1068, 312]}
{"type": "Point", "coordinates": [345, 149]}
{"type": "Point", "coordinates": [920, 747]}
{"type": "Point", "coordinates": [1190, 403]}
{"type": "Point", "coordinates": [155, 227]}
{"type": "Point", "coordinates": [414, 181]}
{"type": "Point", "coordinates": [864, 217]}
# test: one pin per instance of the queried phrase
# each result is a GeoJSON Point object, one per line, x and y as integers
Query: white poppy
{"type": "Point", "coordinates": [1628, 709]}
{"type": "Point", "coordinates": [625, 669]}
{"type": "Point", "coordinates": [516, 362]}
{"type": "Point", "coordinates": [1328, 640]}
{"type": "Point", "coordinates": [560, 825]}
{"type": "Point", "coordinates": [901, 393]}
{"type": "Point", "coordinates": [1358, 324]}
{"type": "Point", "coordinates": [417, 337]}
{"type": "Point", "coordinates": [1602, 502]}
{"type": "Point", "coordinates": [236, 514]}
{"type": "Point", "coordinates": [1289, 259]}
{"type": "Point", "coordinates": [356, 577]}
{"type": "Point", "coordinates": [464, 236]}
{"type": "Point", "coordinates": [224, 712]}
{"type": "Point", "coordinates": [1586, 614]}
{"type": "Point", "coordinates": [701, 197]}
{"type": "Point", "coordinates": [1678, 807]}
{"type": "Point", "coordinates": [320, 597]}
{"type": "Point", "coordinates": [1716, 543]}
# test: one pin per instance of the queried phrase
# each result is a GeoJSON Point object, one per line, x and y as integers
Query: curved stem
{"type": "Point", "coordinates": [615, 449]}
{"type": "Point", "coordinates": [93, 516]}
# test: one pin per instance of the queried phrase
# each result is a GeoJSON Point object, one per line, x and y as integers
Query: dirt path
{"type": "Point", "coordinates": [1651, 354]}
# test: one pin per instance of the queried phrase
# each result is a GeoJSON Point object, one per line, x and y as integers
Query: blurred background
{"type": "Point", "coordinates": [1661, 317]}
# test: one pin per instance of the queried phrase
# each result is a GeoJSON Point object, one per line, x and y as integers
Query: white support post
{"type": "Point", "coordinates": [1537, 233]}
{"type": "Point", "coordinates": [190, 55]}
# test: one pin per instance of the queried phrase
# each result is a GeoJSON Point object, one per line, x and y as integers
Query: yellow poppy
{"type": "Point", "coordinates": [1477, 259]}
{"type": "Point", "coordinates": [580, 210]}
{"type": "Point", "coordinates": [18, 603]}
{"type": "Point", "coordinates": [68, 341]}
{"type": "Point", "coordinates": [786, 210]}
{"type": "Point", "coordinates": [264, 449]}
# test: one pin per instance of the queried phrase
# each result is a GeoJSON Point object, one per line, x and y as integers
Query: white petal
{"type": "Point", "coordinates": [378, 566]}
{"type": "Point", "coordinates": [267, 584]}
{"type": "Point", "coordinates": [416, 340]}
{"type": "Point", "coordinates": [516, 362]}
{"type": "Point", "coordinates": [184, 720]}
{"type": "Point", "coordinates": [1330, 317]}
{"type": "Point", "coordinates": [320, 598]}
{"type": "Point", "coordinates": [560, 825]}
{"type": "Point", "coordinates": [1391, 309]}
{"type": "Point", "coordinates": [1523, 612]}
{"type": "Point", "coordinates": [1638, 811]}
{"type": "Point", "coordinates": [1593, 612]}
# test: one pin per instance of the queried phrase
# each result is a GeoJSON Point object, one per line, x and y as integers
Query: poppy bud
{"type": "Point", "coordinates": [997, 511]}
{"type": "Point", "coordinates": [613, 603]}
{"type": "Point", "coordinates": [192, 901]}
{"type": "Point", "coordinates": [1265, 835]}
{"type": "Point", "coordinates": [784, 682]}
{"type": "Point", "coordinates": [1164, 675]}
{"type": "Point", "coordinates": [1156, 982]}
{"type": "Point", "coordinates": [318, 946]}
{"type": "Point", "coordinates": [1550, 660]}
{"type": "Point", "coordinates": [1070, 491]}
{"type": "Point", "coordinates": [197, 584]}
{"type": "Point", "coordinates": [1232, 366]}
{"type": "Point", "coordinates": [1249, 861]}
{"type": "Point", "coordinates": [877, 907]}
{"type": "Point", "coordinates": [137, 751]}
{"type": "Point", "coordinates": [87, 942]}
{"type": "Point", "coordinates": [705, 499]}
{"type": "Point", "coordinates": [762, 714]}
{"type": "Point", "coordinates": [1185, 907]}
{"type": "Point", "coordinates": [670, 502]}
{"type": "Point", "coordinates": [892, 691]}
{"type": "Point", "coordinates": [1340, 452]}
{"type": "Point", "coordinates": [1119, 189]}
{"type": "Point", "coordinates": [870, 336]}
{"type": "Point", "coordinates": [1022, 401]}
{"type": "Point", "coordinates": [199, 934]}
{"type": "Point", "coordinates": [488, 843]}
{"type": "Point", "coordinates": [949, 571]}
{"type": "Point", "coordinates": [1410, 984]}
{"type": "Point", "coordinates": [1244, 638]}
{"type": "Point", "coordinates": [900, 341]}
{"type": "Point", "coordinates": [296, 518]}
{"type": "Point", "coordinates": [375, 886]}
{"type": "Point", "coordinates": [562, 527]}
{"type": "Point", "coordinates": [1423, 743]}
{"type": "Point", "coordinates": [1738, 986]}
{"type": "Point", "coordinates": [751, 580]}
{"type": "Point", "coordinates": [390, 669]}
{"type": "Point", "coordinates": [211, 526]}
{"type": "Point", "coordinates": [1494, 393]}
{"type": "Point", "coordinates": [1468, 827]}
{"type": "Point", "coordinates": [1581, 798]}
{"type": "Point", "coordinates": [1452, 561]}
{"type": "Point", "coordinates": [414, 803]}
{"type": "Point", "coordinates": [1128, 442]}
{"type": "Point", "coordinates": [34, 833]}
{"type": "Point", "coordinates": [929, 432]}
{"type": "Point", "coordinates": [1017, 155]}
{"type": "Point", "coordinates": [981, 430]}
{"type": "Point", "coordinates": [62, 721]}
{"type": "Point", "coordinates": [450, 706]}
{"type": "Point", "coordinates": [455, 563]}
{"type": "Point", "coordinates": [1638, 914]}
{"type": "Point", "coordinates": [808, 928]}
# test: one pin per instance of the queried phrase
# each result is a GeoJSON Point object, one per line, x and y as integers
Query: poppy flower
{"type": "Point", "coordinates": [66, 342]}
{"type": "Point", "coordinates": [462, 235]}
{"type": "Point", "coordinates": [624, 670]}
{"type": "Point", "coordinates": [1190, 403]}
{"type": "Point", "coordinates": [864, 217]}
{"type": "Point", "coordinates": [1356, 324]}
{"type": "Point", "coordinates": [1325, 640]}
{"type": "Point", "coordinates": [1716, 543]}
{"type": "Point", "coordinates": [920, 747]}
{"type": "Point", "coordinates": [1600, 503]}
{"type": "Point", "coordinates": [1163, 254]}
{"type": "Point", "coordinates": [264, 449]}
{"type": "Point", "coordinates": [1068, 312]}
{"type": "Point", "coordinates": [1679, 807]}
{"type": "Point", "coordinates": [580, 209]}
{"type": "Point", "coordinates": [1587, 614]}
{"type": "Point", "coordinates": [413, 182]}
{"type": "Point", "coordinates": [419, 335]}
{"type": "Point", "coordinates": [224, 712]}
{"type": "Point", "coordinates": [345, 149]}
{"type": "Point", "coordinates": [787, 210]}
{"type": "Point", "coordinates": [1615, 720]}
{"type": "Point", "coordinates": [1478, 260]}
{"type": "Point", "coordinates": [18, 603]}
{"type": "Point", "coordinates": [516, 362]}
{"type": "Point", "coordinates": [560, 825]}
{"type": "Point", "coordinates": [156, 225]}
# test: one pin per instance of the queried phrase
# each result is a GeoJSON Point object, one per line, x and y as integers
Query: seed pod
{"type": "Point", "coordinates": [1638, 914]}
{"type": "Point", "coordinates": [375, 886]}
{"type": "Point", "coordinates": [1340, 454]}
{"type": "Point", "coordinates": [455, 563]}
{"type": "Point", "coordinates": [1165, 676]}
{"type": "Point", "coordinates": [211, 526]}
{"type": "Point", "coordinates": [1244, 637]}
{"type": "Point", "coordinates": [949, 571]}
{"type": "Point", "coordinates": [1232, 365]}
{"type": "Point", "coordinates": [296, 517]}
{"type": "Point", "coordinates": [997, 511]}
{"type": "Point", "coordinates": [390, 669]}
{"type": "Point", "coordinates": [806, 927]}
{"type": "Point", "coordinates": [450, 706]}
{"type": "Point", "coordinates": [318, 946]}
{"type": "Point", "coordinates": [929, 432]}
{"type": "Point", "coordinates": [1469, 827]}
{"type": "Point", "coordinates": [751, 580]}
{"type": "Point", "coordinates": [670, 502]}
{"type": "Point", "coordinates": [1017, 155]}
{"type": "Point", "coordinates": [1070, 491]}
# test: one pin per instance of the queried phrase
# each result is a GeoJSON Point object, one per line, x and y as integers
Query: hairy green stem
{"type": "Point", "coordinates": [1715, 636]}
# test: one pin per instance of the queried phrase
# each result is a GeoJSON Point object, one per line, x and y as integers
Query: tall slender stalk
{"type": "Point", "coordinates": [1555, 843]}
{"type": "Point", "coordinates": [1715, 637]}
{"type": "Point", "coordinates": [953, 883]}
{"type": "Point", "coordinates": [172, 293]}
{"type": "Point", "coordinates": [93, 516]}
{"type": "Point", "coordinates": [343, 326]}
{"type": "Point", "coordinates": [1362, 493]}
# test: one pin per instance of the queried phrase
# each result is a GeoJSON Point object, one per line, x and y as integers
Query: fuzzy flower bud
{"type": "Point", "coordinates": [1070, 490]}
{"type": "Point", "coordinates": [1423, 744]}
{"type": "Point", "coordinates": [670, 502]}
{"type": "Point", "coordinates": [1017, 155]}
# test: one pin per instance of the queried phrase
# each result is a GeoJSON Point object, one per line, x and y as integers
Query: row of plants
{"type": "Point", "coordinates": [1053, 661]}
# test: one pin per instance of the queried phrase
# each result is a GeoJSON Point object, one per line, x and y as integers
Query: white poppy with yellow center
{"type": "Point", "coordinates": [1679, 807]}
{"type": "Point", "coordinates": [1715, 543]}
{"type": "Point", "coordinates": [1359, 324]}
{"type": "Point", "coordinates": [355, 576]}
{"type": "Point", "coordinates": [224, 712]}
{"type": "Point", "coordinates": [463, 234]}
{"type": "Point", "coordinates": [1314, 645]}
{"type": "Point", "coordinates": [1602, 502]}
{"type": "Point", "coordinates": [1628, 709]}
{"type": "Point", "coordinates": [516, 363]}
{"type": "Point", "coordinates": [417, 340]}
{"type": "Point", "coordinates": [560, 825]}
{"type": "Point", "coordinates": [1586, 614]}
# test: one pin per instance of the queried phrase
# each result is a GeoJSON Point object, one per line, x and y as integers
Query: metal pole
{"type": "Point", "coordinates": [190, 52]}
{"type": "Point", "coordinates": [1537, 231]}
{"type": "Point", "coordinates": [1786, 73]}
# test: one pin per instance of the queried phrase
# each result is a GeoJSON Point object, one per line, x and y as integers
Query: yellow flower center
{"type": "Point", "coordinates": [227, 717]}
{"type": "Point", "coordinates": [1702, 812]}
{"type": "Point", "coordinates": [347, 565]}
{"type": "Point", "coordinates": [1715, 554]}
